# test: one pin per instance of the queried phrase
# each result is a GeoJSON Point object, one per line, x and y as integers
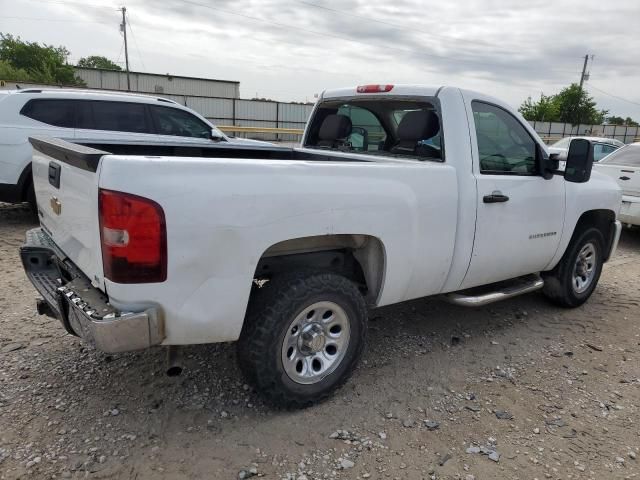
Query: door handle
{"type": "Point", "coordinates": [495, 197]}
{"type": "Point", "coordinates": [625, 178]}
{"type": "Point", "coordinates": [626, 171]}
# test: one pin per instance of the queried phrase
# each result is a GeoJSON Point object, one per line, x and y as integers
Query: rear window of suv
{"type": "Point", "coordinates": [59, 113]}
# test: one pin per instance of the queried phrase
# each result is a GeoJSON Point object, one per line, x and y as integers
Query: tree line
{"type": "Point", "coordinates": [22, 61]}
{"type": "Point", "coordinates": [571, 105]}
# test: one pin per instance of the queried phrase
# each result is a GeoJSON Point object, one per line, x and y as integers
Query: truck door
{"type": "Point", "coordinates": [520, 215]}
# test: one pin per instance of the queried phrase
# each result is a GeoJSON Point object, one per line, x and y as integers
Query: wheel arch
{"type": "Point", "coordinates": [24, 181]}
{"type": "Point", "coordinates": [603, 220]}
{"type": "Point", "coordinates": [359, 257]}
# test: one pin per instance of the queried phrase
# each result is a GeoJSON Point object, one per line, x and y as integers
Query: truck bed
{"type": "Point", "coordinates": [224, 208]}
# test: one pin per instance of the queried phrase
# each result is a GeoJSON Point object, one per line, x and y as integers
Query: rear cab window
{"type": "Point", "coordinates": [402, 128]}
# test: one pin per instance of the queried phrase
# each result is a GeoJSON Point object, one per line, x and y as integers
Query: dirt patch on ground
{"type": "Point", "coordinates": [518, 390]}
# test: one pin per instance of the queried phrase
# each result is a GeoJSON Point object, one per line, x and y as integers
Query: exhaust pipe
{"type": "Point", "coordinates": [174, 358]}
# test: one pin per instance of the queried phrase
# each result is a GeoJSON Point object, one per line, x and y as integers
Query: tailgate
{"type": "Point", "coordinates": [65, 178]}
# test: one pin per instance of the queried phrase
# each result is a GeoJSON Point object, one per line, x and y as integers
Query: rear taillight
{"type": "Point", "coordinates": [134, 238]}
{"type": "Point", "coordinates": [374, 88]}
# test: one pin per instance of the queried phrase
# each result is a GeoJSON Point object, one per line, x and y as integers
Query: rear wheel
{"type": "Point", "coordinates": [303, 336]}
{"type": "Point", "coordinates": [31, 198]}
{"type": "Point", "coordinates": [574, 279]}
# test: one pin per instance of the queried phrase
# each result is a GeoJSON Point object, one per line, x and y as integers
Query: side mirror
{"type": "Point", "coordinates": [215, 136]}
{"type": "Point", "coordinates": [547, 164]}
{"type": "Point", "coordinates": [579, 161]}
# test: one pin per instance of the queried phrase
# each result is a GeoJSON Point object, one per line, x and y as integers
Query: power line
{"type": "Point", "coordinates": [71, 2]}
{"type": "Point", "coordinates": [120, 53]}
{"type": "Point", "coordinates": [64, 20]}
{"type": "Point", "coordinates": [135, 42]}
{"type": "Point", "coordinates": [348, 39]}
{"type": "Point", "coordinates": [614, 96]}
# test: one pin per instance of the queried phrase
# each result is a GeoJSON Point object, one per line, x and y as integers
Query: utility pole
{"type": "Point", "coordinates": [123, 28]}
{"type": "Point", "coordinates": [583, 77]}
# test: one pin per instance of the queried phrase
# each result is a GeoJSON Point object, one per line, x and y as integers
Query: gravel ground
{"type": "Point", "coordinates": [518, 390]}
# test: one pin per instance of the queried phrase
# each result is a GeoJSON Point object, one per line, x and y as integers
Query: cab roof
{"type": "Point", "coordinates": [383, 89]}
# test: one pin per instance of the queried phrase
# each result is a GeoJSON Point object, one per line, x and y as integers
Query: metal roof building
{"type": "Point", "coordinates": [158, 84]}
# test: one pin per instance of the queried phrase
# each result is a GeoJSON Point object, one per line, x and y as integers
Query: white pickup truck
{"type": "Point", "coordinates": [397, 192]}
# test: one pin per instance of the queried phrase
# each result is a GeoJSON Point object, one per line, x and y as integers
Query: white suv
{"type": "Point", "coordinates": [92, 116]}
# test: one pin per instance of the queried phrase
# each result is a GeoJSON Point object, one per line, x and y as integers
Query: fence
{"type": "Point", "coordinates": [269, 120]}
{"type": "Point", "coordinates": [263, 115]}
{"type": "Point", "coordinates": [554, 131]}
{"type": "Point", "coordinates": [259, 114]}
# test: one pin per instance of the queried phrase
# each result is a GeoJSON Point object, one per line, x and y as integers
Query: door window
{"type": "Point", "coordinates": [172, 121]}
{"type": "Point", "coordinates": [59, 113]}
{"type": "Point", "coordinates": [504, 145]}
{"type": "Point", "coordinates": [628, 156]}
{"type": "Point", "coordinates": [601, 150]}
{"type": "Point", "coordinates": [120, 117]}
{"type": "Point", "coordinates": [84, 115]}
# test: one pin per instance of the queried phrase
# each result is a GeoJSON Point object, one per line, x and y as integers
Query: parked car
{"type": "Point", "coordinates": [284, 250]}
{"type": "Point", "coordinates": [88, 115]}
{"type": "Point", "coordinates": [623, 166]}
{"type": "Point", "coordinates": [601, 147]}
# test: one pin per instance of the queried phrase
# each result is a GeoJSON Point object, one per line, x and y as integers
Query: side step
{"type": "Point", "coordinates": [479, 296]}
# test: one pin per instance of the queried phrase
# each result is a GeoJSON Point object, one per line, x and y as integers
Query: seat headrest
{"type": "Point", "coordinates": [418, 125]}
{"type": "Point", "coordinates": [334, 127]}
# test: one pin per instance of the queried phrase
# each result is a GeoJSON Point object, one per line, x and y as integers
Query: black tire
{"type": "Point", "coordinates": [559, 284]}
{"type": "Point", "coordinates": [271, 310]}
{"type": "Point", "coordinates": [31, 199]}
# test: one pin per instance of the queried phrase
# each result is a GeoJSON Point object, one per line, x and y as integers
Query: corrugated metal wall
{"type": "Point", "coordinates": [158, 84]}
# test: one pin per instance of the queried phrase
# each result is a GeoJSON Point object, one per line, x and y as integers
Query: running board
{"type": "Point", "coordinates": [479, 296]}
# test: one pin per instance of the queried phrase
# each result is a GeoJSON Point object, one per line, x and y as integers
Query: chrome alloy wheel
{"type": "Point", "coordinates": [315, 342]}
{"type": "Point", "coordinates": [584, 269]}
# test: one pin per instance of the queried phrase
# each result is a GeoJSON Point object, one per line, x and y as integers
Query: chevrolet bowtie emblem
{"type": "Point", "coordinates": [56, 206]}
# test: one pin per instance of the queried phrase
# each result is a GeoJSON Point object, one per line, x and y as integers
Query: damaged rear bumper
{"type": "Point", "coordinates": [83, 309]}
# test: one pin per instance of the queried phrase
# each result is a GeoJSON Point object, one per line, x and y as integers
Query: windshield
{"type": "Point", "coordinates": [399, 128]}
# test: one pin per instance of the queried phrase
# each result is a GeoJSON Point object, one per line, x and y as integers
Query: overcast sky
{"type": "Point", "coordinates": [292, 49]}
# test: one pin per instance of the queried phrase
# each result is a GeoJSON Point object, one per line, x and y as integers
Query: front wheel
{"type": "Point", "coordinates": [574, 279]}
{"type": "Point", "coordinates": [303, 336]}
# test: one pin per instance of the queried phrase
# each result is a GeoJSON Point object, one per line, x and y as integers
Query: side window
{"type": "Point", "coordinates": [504, 145]}
{"type": "Point", "coordinates": [600, 150]}
{"type": "Point", "coordinates": [84, 115]}
{"type": "Point", "coordinates": [59, 113]}
{"type": "Point", "coordinates": [628, 156]}
{"type": "Point", "coordinates": [172, 121]}
{"type": "Point", "coordinates": [367, 133]}
{"type": "Point", "coordinates": [120, 117]}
